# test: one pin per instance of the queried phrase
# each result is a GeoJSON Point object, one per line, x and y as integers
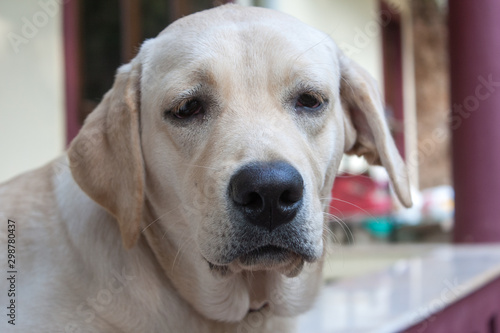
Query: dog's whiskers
{"type": "Point", "coordinates": [329, 233]}
{"type": "Point", "coordinates": [358, 207]}
{"type": "Point", "coordinates": [166, 231]}
{"type": "Point", "coordinates": [329, 249]}
{"type": "Point", "coordinates": [336, 244]}
{"type": "Point", "coordinates": [344, 226]}
{"type": "Point", "coordinates": [188, 239]}
{"type": "Point", "coordinates": [161, 216]}
{"type": "Point", "coordinates": [340, 216]}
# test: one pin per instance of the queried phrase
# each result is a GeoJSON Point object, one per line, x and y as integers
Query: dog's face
{"type": "Point", "coordinates": [234, 120]}
{"type": "Point", "coordinates": [250, 124]}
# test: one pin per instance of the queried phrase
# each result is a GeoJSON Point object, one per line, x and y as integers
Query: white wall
{"type": "Point", "coordinates": [353, 24]}
{"type": "Point", "coordinates": [32, 130]}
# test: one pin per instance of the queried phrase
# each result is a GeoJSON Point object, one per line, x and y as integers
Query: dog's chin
{"type": "Point", "coordinates": [265, 258]}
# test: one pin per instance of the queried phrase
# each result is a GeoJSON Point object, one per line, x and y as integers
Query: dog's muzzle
{"type": "Point", "coordinates": [267, 197]}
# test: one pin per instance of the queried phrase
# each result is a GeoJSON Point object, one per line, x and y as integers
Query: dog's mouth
{"type": "Point", "coordinates": [264, 258]}
{"type": "Point", "coordinates": [268, 255]}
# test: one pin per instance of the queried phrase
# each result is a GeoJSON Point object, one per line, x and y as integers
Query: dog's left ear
{"type": "Point", "coordinates": [106, 158]}
{"type": "Point", "coordinates": [367, 133]}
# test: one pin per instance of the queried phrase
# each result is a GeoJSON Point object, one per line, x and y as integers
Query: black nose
{"type": "Point", "coordinates": [268, 194]}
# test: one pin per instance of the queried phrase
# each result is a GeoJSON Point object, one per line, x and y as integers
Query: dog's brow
{"type": "Point", "coordinates": [307, 85]}
{"type": "Point", "coordinates": [190, 92]}
{"type": "Point", "coordinates": [183, 95]}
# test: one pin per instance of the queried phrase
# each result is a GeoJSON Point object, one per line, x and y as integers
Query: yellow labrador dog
{"type": "Point", "coordinates": [194, 197]}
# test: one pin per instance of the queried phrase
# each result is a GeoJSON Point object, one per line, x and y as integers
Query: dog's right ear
{"type": "Point", "coordinates": [367, 133]}
{"type": "Point", "coordinates": [106, 158]}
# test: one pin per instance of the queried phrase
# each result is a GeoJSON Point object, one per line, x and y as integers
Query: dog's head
{"type": "Point", "coordinates": [227, 130]}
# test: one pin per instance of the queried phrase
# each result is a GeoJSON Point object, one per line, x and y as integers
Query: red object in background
{"type": "Point", "coordinates": [359, 195]}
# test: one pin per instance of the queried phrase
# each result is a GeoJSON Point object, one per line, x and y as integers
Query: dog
{"type": "Point", "coordinates": [194, 198]}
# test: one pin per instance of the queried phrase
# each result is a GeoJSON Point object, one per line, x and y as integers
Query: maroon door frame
{"type": "Point", "coordinates": [131, 31]}
{"type": "Point", "coordinates": [393, 71]}
{"type": "Point", "coordinates": [72, 87]}
{"type": "Point", "coordinates": [474, 28]}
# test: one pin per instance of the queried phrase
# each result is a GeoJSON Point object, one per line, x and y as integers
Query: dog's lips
{"type": "Point", "coordinates": [270, 257]}
{"type": "Point", "coordinates": [268, 254]}
{"type": "Point", "coordinates": [266, 257]}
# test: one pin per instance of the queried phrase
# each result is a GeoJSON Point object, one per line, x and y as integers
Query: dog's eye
{"type": "Point", "coordinates": [188, 109]}
{"type": "Point", "coordinates": [308, 101]}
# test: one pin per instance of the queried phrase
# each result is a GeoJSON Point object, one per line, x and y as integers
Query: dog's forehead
{"type": "Point", "coordinates": [231, 16]}
{"type": "Point", "coordinates": [237, 34]}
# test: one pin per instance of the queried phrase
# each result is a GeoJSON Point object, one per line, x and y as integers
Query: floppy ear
{"type": "Point", "coordinates": [367, 133]}
{"type": "Point", "coordinates": [105, 157]}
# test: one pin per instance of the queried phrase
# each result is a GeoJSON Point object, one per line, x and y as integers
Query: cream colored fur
{"type": "Point", "coordinates": [116, 235]}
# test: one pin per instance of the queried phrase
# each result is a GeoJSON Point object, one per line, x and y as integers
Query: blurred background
{"type": "Point", "coordinates": [436, 64]}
